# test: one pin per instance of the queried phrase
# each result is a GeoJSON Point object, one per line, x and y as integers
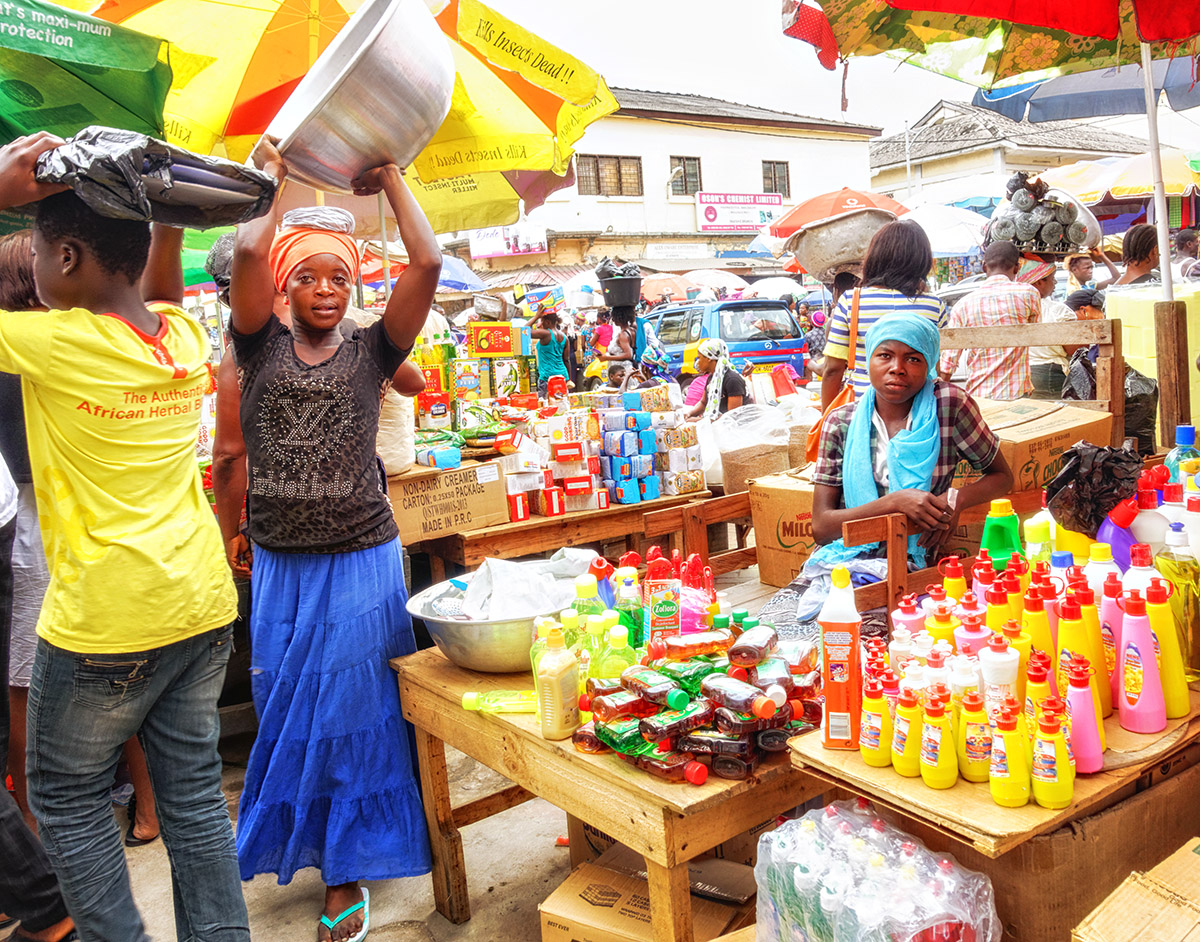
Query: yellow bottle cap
{"type": "Point", "coordinates": [1001, 508]}
{"type": "Point", "coordinates": [841, 577]}
{"type": "Point", "coordinates": [1037, 531]}
{"type": "Point", "coordinates": [1100, 553]}
{"type": "Point", "coordinates": [585, 586]}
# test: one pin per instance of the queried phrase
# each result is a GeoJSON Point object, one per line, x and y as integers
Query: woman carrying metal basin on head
{"type": "Point", "coordinates": [330, 781]}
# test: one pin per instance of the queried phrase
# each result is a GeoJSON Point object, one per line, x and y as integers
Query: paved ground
{"type": "Point", "coordinates": [512, 865]}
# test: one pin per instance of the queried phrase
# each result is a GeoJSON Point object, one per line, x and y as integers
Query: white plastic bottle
{"type": "Point", "coordinates": [1100, 564]}
{"type": "Point", "coordinates": [999, 664]}
{"type": "Point", "coordinates": [558, 689]}
{"type": "Point", "coordinates": [1141, 569]}
{"type": "Point", "coordinates": [922, 645]}
{"type": "Point", "coordinates": [1149, 526]}
{"type": "Point", "coordinates": [900, 649]}
{"type": "Point", "coordinates": [1172, 506]}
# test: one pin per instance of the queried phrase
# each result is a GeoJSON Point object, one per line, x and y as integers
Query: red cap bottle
{"type": "Point", "coordinates": [951, 567]}
{"type": "Point", "coordinates": [1033, 600]}
{"type": "Point", "coordinates": [1036, 671]}
{"type": "Point", "coordinates": [1147, 499]}
{"type": "Point", "coordinates": [908, 605]}
{"type": "Point", "coordinates": [1112, 586]}
{"type": "Point", "coordinates": [1140, 554]}
{"type": "Point", "coordinates": [1173, 494]}
{"type": "Point", "coordinates": [973, 700]}
{"type": "Point", "coordinates": [996, 596]}
{"type": "Point", "coordinates": [1083, 593]}
{"type": "Point", "coordinates": [1123, 514]}
{"type": "Point", "coordinates": [1134, 603]}
{"type": "Point", "coordinates": [1068, 609]}
{"type": "Point", "coordinates": [872, 687]}
{"type": "Point", "coordinates": [907, 698]}
{"type": "Point", "coordinates": [1006, 720]}
{"type": "Point", "coordinates": [1157, 593]}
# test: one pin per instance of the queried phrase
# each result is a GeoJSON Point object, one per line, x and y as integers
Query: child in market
{"type": "Point", "coordinates": [330, 781]}
{"type": "Point", "coordinates": [134, 633]}
{"type": "Point", "coordinates": [895, 449]}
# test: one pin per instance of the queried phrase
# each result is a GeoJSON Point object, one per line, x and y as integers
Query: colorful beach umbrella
{"type": "Point", "coordinates": [716, 278]}
{"type": "Point", "coordinates": [1091, 181]}
{"type": "Point", "coordinates": [834, 203]}
{"type": "Point", "coordinates": [61, 71]}
{"type": "Point", "coordinates": [655, 286]}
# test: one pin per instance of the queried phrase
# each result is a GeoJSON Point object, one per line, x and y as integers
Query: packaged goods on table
{"type": "Point", "coordinates": [842, 874]}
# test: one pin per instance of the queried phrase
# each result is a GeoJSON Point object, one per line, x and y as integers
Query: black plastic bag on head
{"type": "Point", "coordinates": [610, 269]}
{"type": "Point", "coordinates": [126, 175]}
{"type": "Point", "coordinates": [1093, 480]}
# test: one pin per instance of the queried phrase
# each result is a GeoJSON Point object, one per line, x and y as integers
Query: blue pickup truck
{"type": "Point", "coordinates": [757, 330]}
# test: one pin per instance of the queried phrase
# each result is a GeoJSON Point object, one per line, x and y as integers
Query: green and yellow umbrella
{"type": "Point", "coordinates": [519, 104]}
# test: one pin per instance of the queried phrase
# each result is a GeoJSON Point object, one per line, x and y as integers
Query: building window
{"type": "Point", "coordinates": [775, 178]}
{"type": "Point", "coordinates": [687, 183]}
{"type": "Point", "coordinates": [608, 176]}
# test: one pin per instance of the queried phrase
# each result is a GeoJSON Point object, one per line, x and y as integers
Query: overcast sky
{"type": "Point", "coordinates": [736, 50]}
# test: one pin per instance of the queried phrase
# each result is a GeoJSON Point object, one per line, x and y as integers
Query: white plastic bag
{"type": "Point", "coordinates": [710, 455]}
{"type": "Point", "coordinates": [506, 588]}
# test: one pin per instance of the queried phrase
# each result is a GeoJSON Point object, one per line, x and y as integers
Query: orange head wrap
{"type": "Point", "coordinates": [293, 246]}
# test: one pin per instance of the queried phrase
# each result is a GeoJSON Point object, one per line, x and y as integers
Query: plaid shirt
{"type": "Point", "coordinates": [965, 437]}
{"type": "Point", "coordinates": [995, 372]}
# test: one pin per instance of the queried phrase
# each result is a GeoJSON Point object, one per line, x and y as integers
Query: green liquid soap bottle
{"type": "Point", "coordinates": [569, 619]}
{"type": "Point", "coordinates": [1001, 533]}
{"type": "Point", "coordinates": [501, 701]}
{"type": "Point", "coordinates": [591, 647]}
{"type": "Point", "coordinates": [617, 654]}
{"type": "Point", "coordinates": [623, 736]}
{"type": "Point", "coordinates": [629, 610]}
{"type": "Point", "coordinates": [688, 674]}
{"type": "Point", "coordinates": [587, 596]}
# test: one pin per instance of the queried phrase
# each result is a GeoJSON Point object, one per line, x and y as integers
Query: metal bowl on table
{"type": "Point", "coordinates": [494, 647]}
{"type": "Point", "coordinates": [376, 95]}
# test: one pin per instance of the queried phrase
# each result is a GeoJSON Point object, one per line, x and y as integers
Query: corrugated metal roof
{"type": "Point", "coordinates": [543, 275]}
{"type": "Point", "coordinates": [636, 100]}
{"type": "Point", "coordinates": [973, 128]}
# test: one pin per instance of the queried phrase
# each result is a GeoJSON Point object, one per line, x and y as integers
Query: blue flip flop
{"type": "Point", "coordinates": [346, 914]}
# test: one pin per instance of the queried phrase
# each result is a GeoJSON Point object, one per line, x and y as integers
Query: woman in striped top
{"type": "Point", "coordinates": [897, 264]}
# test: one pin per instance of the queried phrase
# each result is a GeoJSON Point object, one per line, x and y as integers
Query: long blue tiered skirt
{"type": "Point", "coordinates": [331, 780]}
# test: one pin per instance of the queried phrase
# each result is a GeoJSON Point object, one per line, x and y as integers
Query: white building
{"type": "Point", "coordinates": [684, 179]}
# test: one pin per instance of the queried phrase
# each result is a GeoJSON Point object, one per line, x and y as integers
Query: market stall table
{"type": "Point", "coordinates": [967, 812]}
{"type": "Point", "coordinates": [469, 548]}
{"type": "Point", "coordinates": [667, 823]}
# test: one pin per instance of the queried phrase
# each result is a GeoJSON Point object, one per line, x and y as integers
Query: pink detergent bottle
{"type": "Point", "coordinates": [1140, 702]}
{"type": "Point", "coordinates": [971, 635]}
{"type": "Point", "coordinates": [1111, 617]}
{"type": "Point", "coordinates": [909, 615]}
{"type": "Point", "coordinates": [983, 574]}
{"type": "Point", "coordinates": [970, 604]}
{"type": "Point", "coordinates": [1085, 729]}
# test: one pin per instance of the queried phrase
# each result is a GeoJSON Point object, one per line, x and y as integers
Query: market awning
{"type": "Point", "coordinates": [755, 266]}
{"type": "Point", "coordinates": [543, 275]}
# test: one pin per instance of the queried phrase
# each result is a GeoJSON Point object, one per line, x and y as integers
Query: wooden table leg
{"type": "Point", "coordinates": [437, 568]}
{"type": "Point", "coordinates": [449, 870]}
{"type": "Point", "coordinates": [670, 902]}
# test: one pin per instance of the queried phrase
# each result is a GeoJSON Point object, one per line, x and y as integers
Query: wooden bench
{"type": "Point", "coordinates": [694, 519]}
{"type": "Point", "coordinates": [1110, 363]}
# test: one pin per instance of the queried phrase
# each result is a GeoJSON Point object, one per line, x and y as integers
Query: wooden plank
{"type": "Point", "coordinates": [1027, 335]}
{"type": "Point", "coordinates": [695, 532]}
{"type": "Point", "coordinates": [670, 902]}
{"type": "Point", "coordinates": [1174, 371]}
{"type": "Point", "coordinates": [967, 812]}
{"type": "Point", "coordinates": [449, 872]}
{"type": "Point", "coordinates": [539, 534]}
{"type": "Point", "coordinates": [734, 560]}
{"type": "Point", "coordinates": [491, 804]}
{"type": "Point", "coordinates": [742, 935]}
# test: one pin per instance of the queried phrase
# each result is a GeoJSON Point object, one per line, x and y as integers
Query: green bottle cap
{"type": "Point", "coordinates": [472, 701]}
{"type": "Point", "coordinates": [740, 615]}
{"type": "Point", "coordinates": [678, 699]}
{"type": "Point", "coordinates": [720, 621]}
{"type": "Point", "coordinates": [748, 623]}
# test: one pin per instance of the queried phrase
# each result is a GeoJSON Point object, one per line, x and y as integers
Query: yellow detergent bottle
{"type": "Point", "coordinates": [997, 608]}
{"type": "Point", "coordinates": [1037, 689]}
{"type": "Point", "coordinates": [875, 733]}
{"type": "Point", "coordinates": [941, 622]}
{"type": "Point", "coordinates": [906, 734]}
{"type": "Point", "coordinates": [1019, 641]}
{"type": "Point", "coordinates": [1072, 639]}
{"type": "Point", "coordinates": [953, 579]}
{"type": "Point", "coordinates": [1170, 660]}
{"type": "Point", "coordinates": [1011, 583]}
{"type": "Point", "coordinates": [1008, 773]}
{"type": "Point", "coordinates": [1015, 707]}
{"type": "Point", "coordinates": [974, 739]}
{"type": "Point", "coordinates": [1057, 707]}
{"type": "Point", "coordinates": [1053, 780]}
{"type": "Point", "coordinates": [939, 759]}
{"type": "Point", "coordinates": [1086, 597]}
{"type": "Point", "coordinates": [1036, 624]}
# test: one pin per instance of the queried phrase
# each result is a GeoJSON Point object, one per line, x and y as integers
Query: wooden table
{"type": "Point", "coordinates": [540, 534]}
{"type": "Point", "coordinates": [668, 824]}
{"type": "Point", "coordinates": [967, 813]}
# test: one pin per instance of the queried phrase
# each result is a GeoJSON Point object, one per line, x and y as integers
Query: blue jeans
{"type": "Point", "coordinates": [82, 708]}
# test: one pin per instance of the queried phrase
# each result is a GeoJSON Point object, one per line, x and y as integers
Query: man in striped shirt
{"type": "Point", "coordinates": [995, 372]}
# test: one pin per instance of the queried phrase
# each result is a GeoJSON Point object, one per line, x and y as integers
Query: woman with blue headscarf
{"type": "Point", "coordinates": [896, 448]}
